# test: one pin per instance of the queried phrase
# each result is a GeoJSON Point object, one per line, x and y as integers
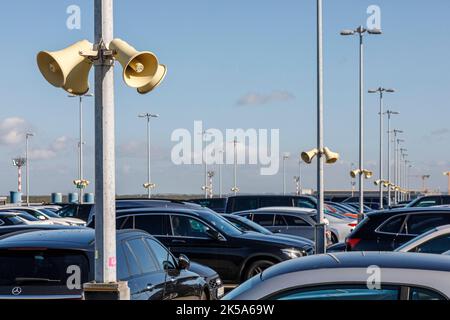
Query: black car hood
{"type": "Point", "coordinates": [202, 270]}
{"type": "Point", "coordinates": [297, 242]}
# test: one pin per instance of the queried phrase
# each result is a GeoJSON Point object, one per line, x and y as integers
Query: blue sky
{"type": "Point", "coordinates": [219, 52]}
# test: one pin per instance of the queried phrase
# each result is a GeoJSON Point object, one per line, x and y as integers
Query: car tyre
{"type": "Point", "coordinates": [257, 267]}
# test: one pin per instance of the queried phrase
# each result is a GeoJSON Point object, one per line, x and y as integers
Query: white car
{"type": "Point", "coordinates": [44, 215]}
{"type": "Point", "coordinates": [435, 241]}
{"type": "Point", "coordinates": [16, 218]}
{"type": "Point", "coordinates": [340, 226]}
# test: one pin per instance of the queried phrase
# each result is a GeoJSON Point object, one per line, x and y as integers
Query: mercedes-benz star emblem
{"type": "Point", "coordinates": [16, 291]}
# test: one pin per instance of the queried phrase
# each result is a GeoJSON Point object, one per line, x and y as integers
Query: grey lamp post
{"type": "Point", "coordinates": [381, 91]}
{"type": "Point", "coordinates": [285, 157]}
{"type": "Point", "coordinates": [149, 185]}
{"type": "Point", "coordinates": [396, 143]}
{"type": "Point", "coordinates": [28, 135]}
{"type": "Point", "coordinates": [361, 31]}
{"type": "Point", "coordinates": [81, 143]}
{"type": "Point", "coordinates": [389, 113]}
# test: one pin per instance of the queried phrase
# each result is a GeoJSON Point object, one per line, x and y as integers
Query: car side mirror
{"type": "Point", "coordinates": [183, 262]}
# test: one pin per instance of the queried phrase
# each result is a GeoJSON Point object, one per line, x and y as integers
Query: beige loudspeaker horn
{"type": "Point", "coordinates": [368, 174]}
{"type": "Point", "coordinates": [139, 68]}
{"type": "Point", "coordinates": [66, 68]}
{"type": "Point", "coordinates": [331, 157]}
{"type": "Point", "coordinates": [309, 156]}
{"type": "Point", "coordinates": [355, 173]}
{"type": "Point", "coordinates": [156, 81]}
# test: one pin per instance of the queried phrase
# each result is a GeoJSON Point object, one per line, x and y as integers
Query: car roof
{"type": "Point", "coordinates": [409, 210]}
{"type": "Point", "coordinates": [73, 238]}
{"type": "Point", "coordinates": [361, 260]}
{"type": "Point", "coordinates": [190, 211]}
{"type": "Point", "coordinates": [289, 210]}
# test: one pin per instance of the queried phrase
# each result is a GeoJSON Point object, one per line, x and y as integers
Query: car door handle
{"type": "Point", "coordinates": [150, 287]}
{"type": "Point", "coordinates": [178, 241]}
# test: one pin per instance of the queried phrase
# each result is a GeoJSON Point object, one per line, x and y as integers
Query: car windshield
{"type": "Point", "coordinates": [416, 239]}
{"type": "Point", "coordinates": [49, 213]}
{"type": "Point", "coordinates": [219, 222]}
{"type": "Point", "coordinates": [43, 268]}
{"type": "Point", "coordinates": [68, 212]}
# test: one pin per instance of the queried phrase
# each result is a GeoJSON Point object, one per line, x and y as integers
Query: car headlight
{"type": "Point", "coordinates": [293, 253]}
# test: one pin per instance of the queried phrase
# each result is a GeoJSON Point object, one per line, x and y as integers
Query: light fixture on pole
{"type": "Point", "coordinates": [361, 31]}
{"type": "Point", "coordinates": [448, 178]}
{"type": "Point", "coordinates": [286, 156]}
{"type": "Point", "coordinates": [149, 185]}
{"type": "Point", "coordinates": [28, 135]}
{"type": "Point", "coordinates": [80, 144]}
{"type": "Point", "coordinates": [389, 113]}
{"type": "Point", "coordinates": [381, 92]}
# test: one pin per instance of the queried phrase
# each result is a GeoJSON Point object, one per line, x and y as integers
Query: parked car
{"type": "Point", "coordinates": [39, 264]}
{"type": "Point", "coordinates": [343, 209]}
{"type": "Point", "coordinates": [344, 276]}
{"type": "Point", "coordinates": [216, 204]}
{"type": "Point", "coordinates": [294, 221]}
{"type": "Point", "coordinates": [388, 230]}
{"type": "Point", "coordinates": [372, 202]}
{"type": "Point", "coordinates": [13, 219]}
{"type": "Point", "coordinates": [86, 211]}
{"type": "Point", "coordinates": [44, 214]}
{"type": "Point", "coordinates": [247, 225]}
{"type": "Point", "coordinates": [430, 201]}
{"type": "Point", "coordinates": [356, 206]}
{"type": "Point", "coordinates": [251, 202]}
{"type": "Point", "coordinates": [22, 228]}
{"type": "Point", "coordinates": [209, 239]}
{"type": "Point", "coordinates": [436, 241]}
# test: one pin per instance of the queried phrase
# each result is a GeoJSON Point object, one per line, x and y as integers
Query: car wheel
{"type": "Point", "coordinates": [257, 267]}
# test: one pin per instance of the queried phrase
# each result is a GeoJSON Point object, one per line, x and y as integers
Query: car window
{"type": "Point", "coordinates": [421, 223]}
{"type": "Point", "coordinates": [340, 292]}
{"type": "Point", "coordinates": [424, 294]}
{"type": "Point", "coordinates": [305, 203]}
{"type": "Point", "coordinates": [14, 221]}
{"type": "Point", "coordinates": [183, 226]}
{"type": "Point", "coordinates": [163, 256]}
{"type": "Point", "coordinates": [126, 222]}
{"type": "Point", "coordinates": [275, 202]}
{"type": "Point", "coordinates": [265, 220]}
{"type": "Point", "coordinates": [122, 265]}
{"type": "Point", "coordinates": [437, 245]}
{"type": "Point", "coordinates": [393, 225]}
{"type": "Point", "coordinates": [84, 212]}
{"type": "Point", "coordinates": [428, 202]}
{"type": "Point", "coordinates": [279, 221]}
{"type": "Point", "coordinates": [143, 255]}
{"type": "Point", "coordinates": [133, 265]}
{"type": "Point", "coordinates": [153, 224]}
{"type": "Point", "coordinates": [446, 200]}
{"type": "Point", "coordinates": [241, 204]}
{"type": "Point", "coordinates": [68, 212]}
{"type": "Point", "coordinates": [294, 221]}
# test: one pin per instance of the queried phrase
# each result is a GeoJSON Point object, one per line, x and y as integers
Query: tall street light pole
{"type": "Point", "coordinates": [361, 31]}
{"type": "Point", "coordinates": [149, 185]}
{"type": "Point", "coordinates": [220, 174]}
{"type": "Point", "coordinates": [81, 143]}
{"type": "Point", "coordinates": [235, 188]}
{"type": "Point", "coordinates": [285, 157]}
{"type": "Point", "coordinates": [381, 92]}
{"type": "Point", "coordinates": [396, 142]}
{"type": "Point", "coordinates": [300, 189]}
{"type": "Point", "coordinates": [402, 171]}
{"type": "Point", "coordinates": [389, 113]}
{"type": "Point", "coordinates": [448, 177]}
{"type": "Point", "coordinates": [27, 163]}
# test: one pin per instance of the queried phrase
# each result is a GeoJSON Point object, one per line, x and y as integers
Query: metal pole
{"type": "Point", "coordinates": [284, 175]}
{"type": "Point", "coordinates": [149, 177]}
{"type": "Point", "coordinates": [206, 167]}
{"type": "Point", "coordinates": [105, 206]}
{"type": "Point", "coordinates": [300, 191]}
{"type": "Point", "coordinates": [389, 161]}
{"type": "Point", "coordinates": [320, 225]}
{"type": "Point", "coordinates": [80, 161]}
{"type": "Point", "coordinates": [27, 169]}
{"type": "Point", "coordinates": [235, 166]}
{"type": "Point", "coordinates": [381, 152]}
{"type": "Point", "coordinates": [220, 178]}
{"type": "Point", "coordinates": [361, 126]}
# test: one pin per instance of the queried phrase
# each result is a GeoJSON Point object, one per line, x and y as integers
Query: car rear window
{"type": "Point", "coordinates": [393, 225]}
{"type": "Point", "coordinates": [41, 267]}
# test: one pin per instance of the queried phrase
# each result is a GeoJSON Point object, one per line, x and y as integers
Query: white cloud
{"type": "Point", "coordinates": [12, 130]}
{"type": "Point", "coordinates": [52, 151]}
{"type": "Point", "coordinates": [254, 99]}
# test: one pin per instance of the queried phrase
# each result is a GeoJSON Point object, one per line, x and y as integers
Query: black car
{"type": "Point", "coordinates": [251, 202]}
{"type": "Point", "coordinates": [216, 204]}
{"type": "Point", "coordinates": [21, 228]}
{"type": "Point", "coordinates": [430, 201]}
{"type": "Point", "coordinates": [42, 264]}
{"type": "Point", "coordinates": [86, 211]}
{"type": "Point", "coordinates": [388, 230]}
{"type": "Point", "coordinates": [209, 239]}
{"type": "Point", "coordinates": [372, 202]}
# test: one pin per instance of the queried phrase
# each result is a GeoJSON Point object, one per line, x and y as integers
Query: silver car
{"type": "Point", "coordinates": [352, 276]}
{"type": "Point", "coordinates": [435, 241]}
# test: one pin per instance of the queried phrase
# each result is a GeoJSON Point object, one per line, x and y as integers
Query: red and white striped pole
{"type": "Point", "coordinates": [19, 179]}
